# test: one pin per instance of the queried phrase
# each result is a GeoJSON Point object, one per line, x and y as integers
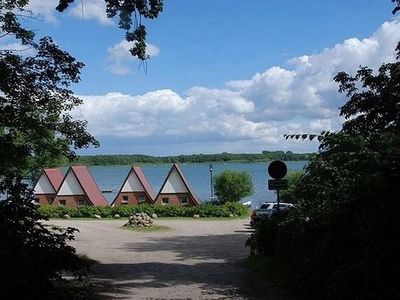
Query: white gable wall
{"type": "Point", "coordinates": [70, 186]}
{"type": "Point", "coordinates": [43, 186]}
{"type": "Point", "coordinates": [174, 184]}
{"type": "Point", "coordinates": [133, 184]}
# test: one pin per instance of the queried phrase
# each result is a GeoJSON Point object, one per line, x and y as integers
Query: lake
{"type": "Point", "coordinates": [198, 176]}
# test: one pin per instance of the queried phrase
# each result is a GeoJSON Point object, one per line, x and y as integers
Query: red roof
{"type": "Point", "coordinates": [143, 180]}
{"type": "Point", "coordinates": [55, 177]}
{"type": "Point", "coordinates": [89, 186]}
{"type": "Point", "coordinates": [185, 182]}
{"type": "Point", "coordinates": [147, 187]}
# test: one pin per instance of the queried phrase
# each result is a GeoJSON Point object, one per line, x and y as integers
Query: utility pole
{"type": "Point", "coordinates": [211, 182]}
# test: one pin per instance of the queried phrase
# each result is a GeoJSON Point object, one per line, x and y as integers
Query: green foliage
{"type": "Point", "coordinates": [231, 186]}
{"type": "Point", "coordinates": [397, 6]}
{"type": "Point", "coordinates": [285, 156]}
{"type": "Point", "coordinates": [9, 21]}
{"type": "Point", "coordinates": [343, 236]}
{"type": "Point", "coordinates": [36, 130]}
{"type": "Point", "coordinates": [32, 256]}
{"type": "Point", "coordinates": [127, 210]}
{"type": "Point", "coordinates": [203, 210]}
{"type": "Point", "coordinates": [262, 241]}
{"type": "Point", "coordinates": [105, 160]}
{"type": "Point", "coordinates": [154, 228]}
{"type": "Point", "coordinates": [35, 124]}
{"type": "Point", "coordinates": [294, 179]}
{"type": "Point", "coordinates": [237, 209]}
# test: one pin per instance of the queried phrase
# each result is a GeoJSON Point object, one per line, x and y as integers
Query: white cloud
{"type": "Point", "coordinates": [247, 114]}
{"type": "Point", "coordinates": [320, 124]}
{"type": "Point", "coordinates": [164, 113]}
{"type": "Point", "coordinates": [91, 9]}
{"type": "Point", "coordinates": [220, 100]}
{"type": "Point", "coordinates": [306, 89]}
{"type": "Point", "coordinates": [84, 9]}
{"type": "Point", "coordinates": [120, 59]}
{"type": "Point", "coordinates": [45, 9]}
{"type": "Point", "coordinates": [16, 47]}
{"type": "Point", "coordinates": [274, 83]}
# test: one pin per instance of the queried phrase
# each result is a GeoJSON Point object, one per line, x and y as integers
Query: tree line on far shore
{"type": "Point", "coordinates": [129, 159]}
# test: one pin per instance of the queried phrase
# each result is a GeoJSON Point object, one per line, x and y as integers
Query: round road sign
{"type": "Point", "coordinates": [277, 169]}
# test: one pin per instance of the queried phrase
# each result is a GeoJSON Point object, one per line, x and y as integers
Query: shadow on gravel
{"type": "Point", "coordinates": [212, 279]}
{"type": "Point", "coordinates": [227, 247]}
{"type": "Point", "coordinates": [212, 263]}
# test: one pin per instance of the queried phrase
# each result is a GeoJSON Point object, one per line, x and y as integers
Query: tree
{"type": "Point", "coordinates": [36, 130]}
{"type": "Point", "coordinates": [344, 232]}
{"type": "Point", "coordinates": [231, 186]}
{"type": "Point", "coordinates": [397, 6]}
{"type": "Point", "coordinates": [293, 179]}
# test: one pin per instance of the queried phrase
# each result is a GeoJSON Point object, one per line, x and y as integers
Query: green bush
{"type": "Point", "coordinates": [210, 210]}
{"type": "Point", "coordinates": [48, 211]}
{"type": "Point", "coordinates": [203, 210]}
{"type": "Point", "coordinates": [294, 179]}
{"type": "Point", "coordinates": [237, 209]}
{"type": "Point", "coordinates": [170, 211]}
{"type": "Point", "coordinates": [231, 186]}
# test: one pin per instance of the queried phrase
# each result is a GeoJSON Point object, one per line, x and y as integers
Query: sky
{"type": "Point", "coordinates": [224, 76]}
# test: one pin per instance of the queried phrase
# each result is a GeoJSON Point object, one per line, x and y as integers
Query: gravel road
{"type": "Point", "coordinates": [196, 259]}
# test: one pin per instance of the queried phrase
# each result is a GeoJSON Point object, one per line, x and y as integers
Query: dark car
{"type": "Point", "coordinates": [267, 210]}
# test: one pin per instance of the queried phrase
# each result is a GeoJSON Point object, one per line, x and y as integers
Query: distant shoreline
{"type": "Point", "coordinates": [129, 159]}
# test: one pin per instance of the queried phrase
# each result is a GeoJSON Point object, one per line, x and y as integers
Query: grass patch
{"type": "Point", "coordinates": [155, 228]}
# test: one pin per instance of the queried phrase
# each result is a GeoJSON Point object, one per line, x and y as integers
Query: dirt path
{"type": "Point", "coordinates": [196, 259]}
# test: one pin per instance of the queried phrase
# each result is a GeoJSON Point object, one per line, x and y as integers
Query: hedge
{"type": "Point", "coordinates": [203, 210]}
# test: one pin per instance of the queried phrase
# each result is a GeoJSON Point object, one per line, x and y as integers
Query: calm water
{"type": "Point", "coordinates": [198, 176]}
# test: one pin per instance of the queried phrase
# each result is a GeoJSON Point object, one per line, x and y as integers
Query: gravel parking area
{"type": "Point", "coordinates": [196, 259]}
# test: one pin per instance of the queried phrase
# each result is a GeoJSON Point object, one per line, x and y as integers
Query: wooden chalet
{"type": "Point", "coordinates": [78, 189]}
{"type": "Point", "coordinates": [176, 190]}
{"type": "Point", "coordinates": [135, 189]}
{"type": "Point", "coordinates": [46, 187]}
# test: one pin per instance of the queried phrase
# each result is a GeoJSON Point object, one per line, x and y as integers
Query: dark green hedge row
{"type": "Point", "coordinates": [129, 159]}
{"type": "Point", "coordinates": [203, 210]}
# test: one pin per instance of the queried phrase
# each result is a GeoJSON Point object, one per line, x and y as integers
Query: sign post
{"type": "Point", "coordinates": [277, 170]}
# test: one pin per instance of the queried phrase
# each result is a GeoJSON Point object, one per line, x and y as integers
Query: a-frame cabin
{"type": "Point", "coordinates": [176, 190]}
{"type": "Point", "coordinates": [46, 187]}
{"type": "Point", "coordinates": [135, 189]}
{"type": "Point", "coordinates": [78, 189]}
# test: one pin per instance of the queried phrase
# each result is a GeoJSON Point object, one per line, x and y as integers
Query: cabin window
{"type": "Point", "coordinates": [124, 199]}
{"type": "Point", "coordinates": [62, 202]}
{"type": "Point", "coordinates": [165, 200]}
{"type": "Point", "coordinates": [141, 199]}
{"type": "Point", "coordinates": [37, 200]}
{"type": "Point", "coordinates": [81, 202]}
{"type": "Point", "coordinates": [184, 200]}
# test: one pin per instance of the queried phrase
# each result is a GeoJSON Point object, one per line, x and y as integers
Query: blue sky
{"type": "Point", "coordinates": [224, 75]}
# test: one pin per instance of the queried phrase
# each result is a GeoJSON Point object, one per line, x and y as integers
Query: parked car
{"type": "Point", "coordinates": [267, 210]}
